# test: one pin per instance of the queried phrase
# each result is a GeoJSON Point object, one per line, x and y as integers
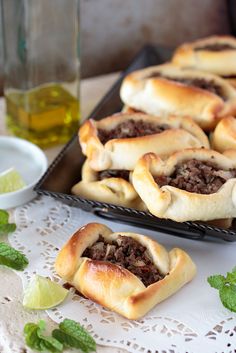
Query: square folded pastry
{"type": "Point", "coordinates": [167, 89]}
{"type": "Point", "coordinates": [118, 141]}
{"type": "Point", "coordinates": [111, 186]}
{"type": "Point", "coordinates": [224, 136]}
{"type": "Point", "coordinates": [128, 273]}
{"type": "Point", "coordinates": [215, 54]}
{"type": "Point", "coordinates": [192, 185]}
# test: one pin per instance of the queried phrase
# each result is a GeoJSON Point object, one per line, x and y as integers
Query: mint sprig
{"type": "Point", "coordinates": [4, 217]}
{"type": "Point", "coordinates": [11, 257]}
{"type": "Point", "coordinates": [35, 338]}
{"type": "Point", "coordinates": [227, 288]}
{"type": "Point", "coordinates": [5, 226]}
{"type": "Point", "coordinates": [69, 334]}
{"type": "Point", "coordinates": [72, 334]}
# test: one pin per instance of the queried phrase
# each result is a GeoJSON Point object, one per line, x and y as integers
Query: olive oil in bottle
{"type": "Point", "coordinates": [45, 115]}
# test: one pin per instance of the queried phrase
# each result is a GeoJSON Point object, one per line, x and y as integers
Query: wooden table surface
{"type": "Point", "coordinates": [12, 315]}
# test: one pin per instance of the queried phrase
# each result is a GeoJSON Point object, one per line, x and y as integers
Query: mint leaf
{"type": "Point", "coordinates": [4, 217]}
{"type": "Point", "coordinates": [72, 334]}
{"type": "Point", "coordinates": [35, 339]}
{"type": "Point", "coordinates": [216, 281]}
{"type": "Point", "coordinates": [50, 343]}
{"type": "Point", "coordinates": [12, 258]}
{"type": "Point", "coordinates": [228, 297]}
{"type": "Point", "coordinates": [6, 227]}
{"type": "Point", "coordinates": [31, 336]}
{"type": "Point", "coordinates": [69, 334]}
{"type": "Point", "coordinates": [66, 340]}
{"type": "Point", "coordinates": [227, 288]}
{"type": "Point", "coordinates": [231, 277]}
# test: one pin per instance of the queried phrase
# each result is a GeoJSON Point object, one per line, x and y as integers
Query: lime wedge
{"type": "Point", "coordinates": [42, 294]}
{"type": "Point", "coordinates": [11, 180]}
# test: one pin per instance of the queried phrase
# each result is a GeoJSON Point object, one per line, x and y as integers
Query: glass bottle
{"type": "Point", "coordinates": [41, 69]}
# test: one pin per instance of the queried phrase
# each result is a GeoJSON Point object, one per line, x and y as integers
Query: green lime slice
{"type": "Point", "coordinates": [11, 180]}
{"type": "Point", "coordinates": [42, 294]}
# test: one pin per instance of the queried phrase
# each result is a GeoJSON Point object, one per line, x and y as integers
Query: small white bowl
{"type": "Point", "coordinates": [29, 160]}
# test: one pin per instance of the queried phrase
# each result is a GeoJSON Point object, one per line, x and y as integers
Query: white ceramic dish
{"type": "Point", "coordinates": [29, 160]}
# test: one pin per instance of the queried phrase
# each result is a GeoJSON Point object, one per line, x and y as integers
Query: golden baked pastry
{"type": "Point", "coordinates": [231, 154]}
{"type": "Point", "coordinates": [224, 135]}
{"type": "Point", "coordinates": [167, 89]}
{"type": "Point", "coordinates": [192, 185]}
{"type": "Point", "coordinates": [111, 186]}
{"type": "Point", "coordinates": [95, 262]}
{"type": "Point", "coordinates": [216, 54]}
{"type": "Point", "coordinates": [118, 141]}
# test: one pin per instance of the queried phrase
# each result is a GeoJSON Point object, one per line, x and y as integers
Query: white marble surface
{"type": "Point", "coordinates": [12, 314]}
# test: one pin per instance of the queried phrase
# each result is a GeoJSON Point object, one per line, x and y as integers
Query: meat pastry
{"type": "Point", "coordinates": [128, 273]}
{"type": "Point", "coordinates": [168, 89]}
{"type": "Point", "coordinates": [112, 186]}
{"type": "Point", "coordinates": [193, 184]}
{"type": "Point", "coordinates": [118, 141]}
{"type": "Point", "coordinates": [224, 135]}
{"type": "Point", "coordinates": [216, 54]}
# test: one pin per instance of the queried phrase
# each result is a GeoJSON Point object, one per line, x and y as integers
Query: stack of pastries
{"type": "Point", "coordinates": [172, 150]}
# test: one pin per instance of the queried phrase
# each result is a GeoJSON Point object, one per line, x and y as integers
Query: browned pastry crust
{"type": "Point", "coordinates": [168, 89]}
{"type": "Point", "coordinates": [232, 81]}
{"type": "Point", "coordinates": [115, 287]}
{"type": "Point", "coordinates": [225, 223]}
{"type": "Point", "coordinates": [167, 201]}
{"type": "Point", "coordinates": [115, 190]}
{"type": "Point", "coordinates": [123, 153]}
{"type": "Point", "coordinates": [216, 54]}
{"type": "Point", "coordinates": [224, 135]}
{"type": "Point", "coordinates": [231, 154]}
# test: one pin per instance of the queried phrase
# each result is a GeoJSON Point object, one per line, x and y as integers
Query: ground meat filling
{"type": "Point", "coordinates": [131, 128]}
{"type": "Point", "coordinates": [216, 47]}
{"type": "Point", "coordinates": [197, 176]}
{"type": "Point", "coordinates": [229, 76]}
{"type": "Point", "coordinates": [114, 173]}
{"type": "Point", "coordinates": [128, 253]}
{"type": "Point", "coordinates": [208, 85]}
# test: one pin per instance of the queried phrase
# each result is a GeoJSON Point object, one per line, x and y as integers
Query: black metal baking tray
{"type": "Point", "coordinates": [65, 170]}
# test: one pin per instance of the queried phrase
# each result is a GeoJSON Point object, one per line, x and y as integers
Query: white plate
{"type": "Point", "coordinates": [29, 160]}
